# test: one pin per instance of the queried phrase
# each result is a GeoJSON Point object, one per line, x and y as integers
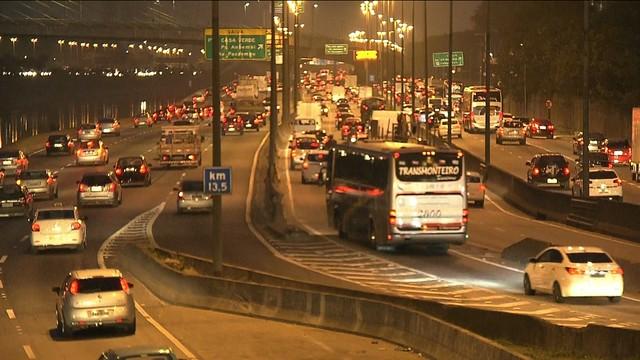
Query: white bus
{"type": "Point", "coordinates": [394, 194]}
{"type": "Point", "coordinates": [474, 107]}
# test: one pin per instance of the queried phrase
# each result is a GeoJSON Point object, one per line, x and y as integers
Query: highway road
{"type": "Point", "coordinates": [27, 321]}
{"type": "Point", "coordinates": [471, 275]}
{"type": "Point", "coordinates": [512, 157]}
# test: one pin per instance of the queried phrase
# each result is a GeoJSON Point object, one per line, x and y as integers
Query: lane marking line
{"type": "Point", "coordinates": [11, 314]}
{"type": "Point", "coordinates": [1, 285]}
{"type": "Point", "coordinates": [24, 238]}
{"type": "Point", "coordinates": [3, 259]}
{"type": "Point", "coordinates": [27, 350]}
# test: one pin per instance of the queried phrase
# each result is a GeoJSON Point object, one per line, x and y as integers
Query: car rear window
{"type": "Point", "coordinates": [592, 257]}
{"type": "Point", "coordinates": [8, 192]}
{"type": "Point", "coordinates": [58, 138]}
{"type": "Point", "coordinates": [316, 157]}
{"type": "Point", "coordinates": [34, 174]}
{"type": "Point", "coordinates": [96, 180]}
{"type": "Point", "coordinates": [129, 162]}
{"type": "Point", "coordinates": [88, 145]}
{"type": "Point", "coordinates": [618, 144]}
{"type": "Point", "coordinates": [192, 186]}
{"type": "Point", "coordinates": [307, 144]}
{"type": "Point", "coordinates": [473, 179]}
{"type": "Point", "coordinates": [602, 175]}
{"type": "Point", "coordinates": [552, 160]}
{"type": "Point", "coordinates": [9, 154]}
{"type": "Point", "coordinates": [513, 124]}
{"type": "Point", "coordinates": [55, 214]}
{"type": "Point", "coordinates": [87, 126]}
{"type": "Point", "coordinates": [99, 284]}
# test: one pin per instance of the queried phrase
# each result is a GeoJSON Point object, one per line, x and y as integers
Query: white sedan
{"type": "Point", "coordinates": [58, 227]}
{"type": "Point", "coordinates": [574, 271]}
{"type": "Point", "coordinates": [455, 128]}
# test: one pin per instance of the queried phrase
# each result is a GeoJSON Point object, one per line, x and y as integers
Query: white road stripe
{"type": "Point", "coordinates": [11, 314]}
{"type": "Point", "coordinates": [1, 285]}
{"type": "Point", "coordinates": [3, 259]}
{"type": "Point", "coordinates": [24, 238]}
{"type": "Point", "coordinates": [27, 350]}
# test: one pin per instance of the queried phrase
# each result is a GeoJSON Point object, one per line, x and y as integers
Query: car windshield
{"type": "Point", "coordinates": [129, 162]}
{"type": "Point", "coordinates": [34, 174]}
{"type": "Point", "coordinates": [480, 110]}
{"type": "Point", "coordinates": [9, 154]}
{"type": "Point", "coordinates": [99, 284]}
{"type": "Point", "coordinates": [88, 126]}
{"type": "Point", "coordinates": [96, 180]}
{"type": "Point", "coordinates": [58, 138]}
{"type": "Point", "coordinates": [55, 214]}
{"type": "Point", "coordinates": [8, 192]}
{"type": "Point", "coordinates": [317, 157]}
{"type": "Point", "coordinates": [474, 179]}
{"type": "Point", "coordinates": [88, 145]}
{"type": "Point", "coordinates": [602, 175]}
{"type": "Point", "coordinates": [192, 186]}
{"type": "Point", "coordinates": [619, 144]}
{"type": "Point", "coordinates": [307, 144]}
{"type": "Point", "coordinates": [586, 257]}
{"type": "Point", "coordinates": [106, 121]}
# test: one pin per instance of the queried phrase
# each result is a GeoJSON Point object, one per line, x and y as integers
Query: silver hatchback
{"type": "Point", "coordinates": [314, 166]}
{"type": "Point", "coordinates": [99, 189]}
{"type": "Point", "coordinates": [94, 298]}
{"type": "Point", "coordinates": [89, 132]}
{"type": "Point", "coordinates": [191, 197]}
{"type": "Point", "coordinates": [43, 184]}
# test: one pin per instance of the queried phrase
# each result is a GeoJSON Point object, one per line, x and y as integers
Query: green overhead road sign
{"type": "Point", "coordinates": [336, 49]}
{"type": "Point", "coordinates": [441, 59]}
{"type": "Point", "coordinates": [238, 44]}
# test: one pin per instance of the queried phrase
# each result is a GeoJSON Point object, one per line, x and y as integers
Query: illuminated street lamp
{"type": "Point", "coordinates": [34, 41]}
{"type": "Point", "coordinates": [60, 42]}
{"type": "Point", "coordinates": [246, 5]}
{"type": "Point", "coordinates": [13, 44]}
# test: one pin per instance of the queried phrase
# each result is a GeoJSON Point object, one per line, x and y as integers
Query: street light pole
{"type": "Point", "coordinates": [296, 44]}
{"type": "Point", "coordinates": [426, 58]}
{"type": "Point", "coordinates": [402, 36]}
{"type": "Point", "coordinates": [286, 92]}
{"type": "Point", "coordinates": [487, 83]}
{"type": "Point", "coordinates": [413, 59]}
{"type": "Point", "coordinates": [273, 119]}
{"type": "Point", "coordinates": [450, 74]}
{"type": "Point", "coordinates": [585, 104]}
{"type": "Point", "coordinates": [216, 140]}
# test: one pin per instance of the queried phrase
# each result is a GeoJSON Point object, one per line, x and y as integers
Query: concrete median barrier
{"type": "Point", "coordinates": [357, 313]}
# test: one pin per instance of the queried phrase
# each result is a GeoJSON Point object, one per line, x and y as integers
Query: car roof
{"type": "Point", "coordinates": [578, 249]}
{"type": "Point", "coordinates": [306, 136]}
{"type": "Point", "coordinates": [91, 273]}
{"type": "Point", "coordinates": [137, 350]}
{"type": "Point", "coordinates": [55, 208]}
{"type": "Point", "coordinates": [602, 169]}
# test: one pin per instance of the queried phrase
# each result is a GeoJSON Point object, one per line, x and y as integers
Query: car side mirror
{"type": "Point", "coordinates": [533, 260]}
{"type": "Point", "coordinates": [528, 163]}
{"type": "Point", "coordinates": [130, 285]}
{"type": "Point", "coordinates": [56, 289]}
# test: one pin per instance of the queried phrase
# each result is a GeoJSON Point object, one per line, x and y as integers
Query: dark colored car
{"type": "Point", "coordinates": [594, 159]}
{"type": "Point", "coordinates": [233, 125]}
{"type": "Point", "coordinates": [59, 144]}
{"type": "Point", "coordinates": [597, 142]}
{"type": "Point", "coordinates": [321, 135]}
{"type": "Point", "coordinates": [341, 117]}
{"type": "Point", "coordinates": [619, 152]}
{"type": "Point", "coordinates": [15, 201]}
{"type": "Point", "coordinates": [548, 169]}
{"type": "Point", "coordinates": [144, 119]}
{"type": "Point", "coordinates": [133, 170]}
{"type": "Point", "coordinates": [251, 121]}
{"type": "Point", "coordinates": [368, 105]}
{"type": "Point", "coordinates": [324, 110]}
{"type": "Point", "coordinates": [343, 108]}
{"type": "Point", "coordinates": [342, 101]}
{"type": "Point", "coordinates": [541, 127]}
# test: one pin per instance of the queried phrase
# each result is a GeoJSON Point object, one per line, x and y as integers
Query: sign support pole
{"type": "Point", "coordinates": [487, 82]}
{"type": "Point", "coordinates": [216, 139]}
{"type": "Point", "coordinates": [585, 105]}
{"type": "Point", "coordinates": [450, 73]}
{"type": "Point", "coordinates": [273, 119]}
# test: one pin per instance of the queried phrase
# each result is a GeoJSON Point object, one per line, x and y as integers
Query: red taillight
{"type": "Point", "coordinates": [47, 144]}
{"type": "Point", "coordinates": [79, 152]}
{"type": "Point", "coordinates": [112, 187]}
{"type": "Point", "coordinates": [50, 181]}
{"type": "Point", "coordinates": [617, 182]}
{"type": "Point", "coordinates": [305, 165]}
{"type": "Point", "coordinates": [574, 271]}
{"type": "Point", "coordinates": [566, 171]}
{"type": "Point", "coordinates": [483, 187]}
{"type": "Point", "coordinates": [135, 121]}
{"type": "Point", "coordinates": [536, 172]}
{"type": "Point", "coordinates": [75, 225]}
{"type": "Point", "coordinates": [119, 171]}
{"type": "Point", "coordinates": [550, 127]}
{"type": "Point", "coordinates": [143, 169]}
{"type": "Point", "coordinates": [35, 227]}
{"type": "Point", "coordinates": [315, 145]}
{"type": "Point", "coordinates": [83, 188]}
{"type": "Point", "coordinates": [74, 287]}
{"type": "Point", "coordinates": [124, 284]}
{"type": "Point", "coordinates": [465, 216]}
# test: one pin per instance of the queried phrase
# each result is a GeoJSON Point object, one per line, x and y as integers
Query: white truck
{"type": "Point", "coordinates": [365, 92]}
{"type": "Point", "coordinates": [635, 144]}
{"type": "Point", "coordinates": [180, 145]}
{"type": "Point", "coordinates": [308, 118]}
{"type": "Point", "coordinates": [337, 92]}
{"type": "Point", "coordinates": [351, 81]}
{"type": "Point", "coordinates": [385, 122]}
{"type": "Point", "coordinates": [247, 89]}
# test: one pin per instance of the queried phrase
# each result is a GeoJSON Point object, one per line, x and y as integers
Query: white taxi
{"type": "Point", "coordinates": [58, 227]}
{"type": "Point", "coordinates": [574, 271]}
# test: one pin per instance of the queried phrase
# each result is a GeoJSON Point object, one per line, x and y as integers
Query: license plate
{"type": "Point", "coordinates": [232, 129]}
{"type": "Point", "coordinates": [129, 169]}
{"type": "Point", "coordinates": [96, 188]}
{"type": "Point", "coordinates": [6, 205]}
{"type": "Point", "coordinates": [597, 275]}
{"type": "Point", "coordinates": [617, 152]}
{"type": "Point", "coordinates": [542, 127]}
{"type": "Point", "coordinates": [6, 162]}
{"type": "Point", "coordinates": [99, 312]}
{"type": "Point", "coordinates": [57, 145]}
{"type": "Point", "coordinates": [552, 181]}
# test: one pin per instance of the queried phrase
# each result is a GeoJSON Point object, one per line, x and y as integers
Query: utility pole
{"type": "Point", "coordinates": [273, 119]}
{"type": "Point", "coordinates": [286, 92]}
{"type": "Point", "coordinates": [413, 59]}
{"type": "Point", "coordinates": [450, 75]}
{"type": "Point", "coordinates": [426, 60]}
{"type": "Point", "coordinates": [585, 104]}
{"type": "Point", "coordinates": [487, 83]}
{"type": "Point", "coordinates": [216, 139]}
{"type": "Point", "coordinates": [296, 43]}
{"type": "Point", "coordinates": [403, 35]}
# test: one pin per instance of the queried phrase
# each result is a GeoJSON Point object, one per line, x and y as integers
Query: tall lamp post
{"type": "Point", "coordinates": [33, 42]}
{"type": "Point", "coordinates": [13, 44]}
{"type": "Point", "coordinates": [413, 59]}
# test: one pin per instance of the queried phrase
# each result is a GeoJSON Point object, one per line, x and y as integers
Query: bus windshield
{"type": "Point", "coordinates": [494, 96]}
{"type": "Point", "coordinates": [424, 167]}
